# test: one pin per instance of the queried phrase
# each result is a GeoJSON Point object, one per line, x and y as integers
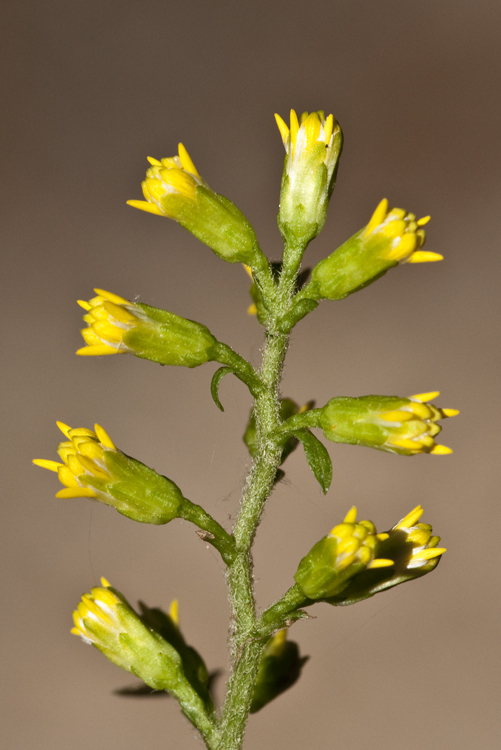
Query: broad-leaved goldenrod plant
{"type": "Point", "coordinates": [353, 561]}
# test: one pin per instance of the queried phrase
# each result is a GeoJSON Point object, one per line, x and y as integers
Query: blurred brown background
{"type": "Point", "coordinates": [90, 89]}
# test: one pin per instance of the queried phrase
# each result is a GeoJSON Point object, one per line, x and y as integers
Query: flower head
{"type": "Point", "coordinates": [313, 145]}
{"type": "Point", "coordinates": [392, 236]}
{"type": "Point", "coordinates": [92, 467]}
{"type": "Point", "coordinates": [396, 235]}
{"type": "Point", "coordinates": [398, 425]}
{"type": "Point", "coordinates": [175, 175]}
{"type": "Point", "coordinates": [108, 317]}
{"type": "Point", "coordinates": [105, 619]}
{"type": "Point", "coordinates": [413, 550]}
{"type": "Point", "coordinates": [117, 326]}
{"type": "Point", "coordinates": [312, 136]}
{"type": "Point", "coordinates": [345, 552]}
{"type": "Point", "coordinates": [173, 188]}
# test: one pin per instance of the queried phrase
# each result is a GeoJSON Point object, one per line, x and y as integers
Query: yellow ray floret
{"type": "Point", "coordinates": [174, 612]}
{"type": "Point", "coordinates": [82, 456]}
{"type": "Point", "coordinates": [108, 318]}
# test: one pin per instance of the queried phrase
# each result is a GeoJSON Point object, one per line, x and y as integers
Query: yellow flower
{"type": "Point", "coordinates": [389, 423]}
{"type": "Point", "coordinates": [349, 549]}
{"type": "Point", "coordinates": [83, 456]}
{"type": "Point", "coordinates": [401, 237]}
{"type": "Point", "coordinates": [313, 146]}
{"type": "Point", "coordinates": [174, 175]}
{"type": "Point", "coordinates": [302, 138]}
{"type": "Point", "coordinates": [108, 317]}
{"type": "Point", "coordinates": [99, 607]}
{"type": "Point", "coordinates": [415, 425]}
{"type": "Point", "coordinates": [418, 537]}
{"type": "Point", "coordinates": [93, 467]}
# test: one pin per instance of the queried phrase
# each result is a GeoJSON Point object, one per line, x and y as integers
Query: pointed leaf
{"type": "Point", "coordinates": [318, 458]}
{"type": "Point", "coordinates": [214, 386]}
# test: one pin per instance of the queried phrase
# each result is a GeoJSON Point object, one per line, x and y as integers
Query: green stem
{"type": "Point", "coordinates": [214, 532]}
{"type": "Point", "coordinates": [282, 612]}
{"type": "Point", "coordinates": [239, 366]}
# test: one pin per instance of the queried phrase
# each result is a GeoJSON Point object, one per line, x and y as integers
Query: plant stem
{"type": "Point", "coordinates": [245, 648]}
{"type": "Point", "coordinates": [214, 532]}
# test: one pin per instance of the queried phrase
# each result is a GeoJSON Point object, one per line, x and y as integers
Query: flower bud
{"type": "Point", "coordinates": [167, 625]}
{"type": "Point", "coordinates": [173, 188]}
{"type": "Point", "coordinates": [348, 550]}
{"type": "Point", "coordinates": [413, 551]}
{"type": "Point", "coordinates": [93, 467]}
{"type": "Point", "coordinates": [392, 236]}
{"type": "Point", "coordinates": [117, 326]}
{"type": "Point", "coordinates": [280, 668]}
{"type": "Point", "coordinates": [388, 423]}
{"type": "Point", "coordinates": [313, 146]}
{"type": "Point", "coordinates": [106, 620]}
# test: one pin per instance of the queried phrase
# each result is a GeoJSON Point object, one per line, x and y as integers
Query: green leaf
{"type": "Point", "coordinates": [214, 386]}
{"type": "Point", "coordinates": [318, 458]}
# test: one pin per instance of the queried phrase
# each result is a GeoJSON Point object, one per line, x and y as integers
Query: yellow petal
{"type": "Point", "coordinates": [70, 492]}
{"type": "Point", "coordinates": [377, 217]}
{"type": "Point", "coordinates": [425, 396]}
{"type": "Point", "coordinates": [450, 412]}
{"type": "Point", "coordinates": [351, 516]}
{"type": "Point", "coordinates": [252, 309]}
{"type": "Point", "coordinates": [65, 428]}
{"type": "Point", "coordinates": [174, 612]}
{"type": "Point", "coordinates": [103, 437]}
{"type": "Point", "coordinates": [423, 221]}
{"type": "Point", "coordinates": [105, 583]}
{"type": "Point", "coordinates": [422, 256]}
{"type": "Point", "coordinates": [410, 519]}
{"type": "Point", "coordinates": [92, 467]}
{"type": "Point", "coordinates": [46, 464]}
{"type": "Point", "coordinates": [119, 313]}
{"type": "Point", "coordinates": [90, 337]}
{"type": "Point", "coordinates": [96, 351]}
{"type": "Point", "coordinates": [428, 554]}
{"type": "Point", "coordinates": [84, 304]}
{"type": "Point", "coordinates": [154, 162]}
{"type": "Point", "coordinates": [150, 208]}
{"type": "Point", "coordinates": [108, 331]}
{"type": "Point", "coordinates": [294, 127]}
{"type": "Point", "coordinates": [112, 297]}
{"type": "Point", "coordinates": [186, 160]}
{"type": "Point", "coordinates": [328, 127]}
{"type": "Point", "coordinates": [405, 443]}
{"type": "Point", "coordinates": [284, 130]}
{"type": "Point", "coordinates": [396, 416]}
{"type": "Point", "coordinates": [440, 450]}
{"type": "Point", "coordinates": [380, 562]}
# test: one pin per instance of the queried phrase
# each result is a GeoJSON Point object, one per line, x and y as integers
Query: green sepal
{"type": "Point", "coordinates": [194, 667]}
{"type": "Point", "coordinates": [317, 576]}
{"type": "Point", "coordinates": [135, 490]}
{"type": "Point", "coordinates": [318, 458]}
{"type": "Point", "coordinates": [280, 668]}
{"type": "Point", "coordinates": [354, 265]}
{"type": "Point", "coordinates": [169, 339]}
{"type": "Point", "coordinates": [303, 204]}
{"type": "Point", "coordinates": [218, 223]}
{"type": "Point", "coordinates": [214, 385]}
